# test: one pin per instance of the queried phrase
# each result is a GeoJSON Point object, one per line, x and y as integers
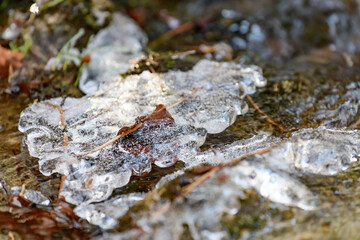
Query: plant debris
{"type": "Point", "coordinates": [9, 61]}
{"type": "Point", "coordinates": [34, 221]}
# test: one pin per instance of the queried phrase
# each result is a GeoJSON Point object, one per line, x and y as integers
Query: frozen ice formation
{"type": "Point", "coordinates": [93, 177]}
{"type": "Point", "coordinates": [273, 184]}
{"type": "Point", "coordinates": [217, 198]}
{"type": "Point", "coordinates": [317, 151]}
{"type": "Point", "coordinates": [31, 195]}
{"type": "Point", "coordinates": [110, 51]}
{"type": "Point", "coordinates": [237, 149]}
{"type": "Point", "coordinates": [220, 87]}
{"type": "Point", "coordinates": [220, 93]}
{"type": "Point", "coordinates": [106, 214]}
{"type": "Point", "coordinates": [58, 139]}
{"type": "Point", "coordinates": [340, 109]}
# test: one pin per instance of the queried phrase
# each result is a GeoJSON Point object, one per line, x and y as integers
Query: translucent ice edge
{"type": "Point", "coordinates": [111, 51]}
{"type": "Point", "coordinates": [90, 122]}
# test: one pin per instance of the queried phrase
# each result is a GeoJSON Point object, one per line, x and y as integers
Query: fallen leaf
{"type": "Point", "coordinates": [25, 87]}
{"type": "Point", "coordinates": [138, 15]}
{"type": "Point", "coordinates": [9, 58]}
{"type": "Point", "coordinates": [32, 222]}
{"type": "Point", "coordinates": [143, 125]}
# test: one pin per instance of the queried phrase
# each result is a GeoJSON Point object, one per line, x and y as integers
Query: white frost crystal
{"type": "Point", "coordinates": [90, 122]}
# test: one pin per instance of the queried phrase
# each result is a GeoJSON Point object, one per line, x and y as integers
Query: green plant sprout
{"type": "Point", "coordinates": [24, 49]}
{"type": "Point", "coordinates": [50, 4]}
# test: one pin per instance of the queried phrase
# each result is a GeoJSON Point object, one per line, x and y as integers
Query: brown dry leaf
{"type": "Point", "coordinates": [9, 58]}
{"type": "Point", "coordinates": [31, 222]}
{"type": "Point", "coordinates": [160, 117]}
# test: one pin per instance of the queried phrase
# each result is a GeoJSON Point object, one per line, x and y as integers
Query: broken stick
{"type": "Point", "coordinates": [266, 116]}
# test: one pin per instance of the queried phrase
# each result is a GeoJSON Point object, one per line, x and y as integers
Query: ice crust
{"type": "Point", "coordinates": [110, 51]}
{"type": "Point", "coordinates": [92, 121]}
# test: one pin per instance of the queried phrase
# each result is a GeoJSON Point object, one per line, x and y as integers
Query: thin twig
{"type": "Point", "coordinates": [62, 179]}
{"type": "Point", "coordinates": [152, 70]}
{"type": "Point", "coordinates": [172, 33]}
{"type": "Point", "coordinates": [91, 117]}
{"type": "Point", "coordinates": [111, 141]}
{"type": "Point", "coordinates": [11, 74]}
{"type": "Point", "coordinates": [266, 116]}
{"type": "Point", "coordinates": [62, 120]}
{"type": "Point", "coordinates": [201, 179]}
{"type": "Point", "coordinates": [355, 125]}
{"type": "Point", "coordinates": [182, 54]}
{"type": "Point", "coordinates": [183, 99]}
{"type": "Point", "coordinates": [11, 236]}
{"type": "Point", "coordinates": [22, 190]}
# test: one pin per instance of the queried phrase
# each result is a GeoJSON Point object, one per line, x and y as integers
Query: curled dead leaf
{"type": "Point", "coordinates": [143, 125]}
